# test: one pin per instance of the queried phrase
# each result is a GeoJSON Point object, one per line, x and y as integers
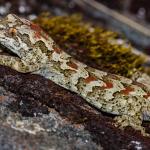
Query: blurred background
{"type": "Point", "coordinates": [128, 17]}
{"type": "Point", "coordinates": [139, 9]}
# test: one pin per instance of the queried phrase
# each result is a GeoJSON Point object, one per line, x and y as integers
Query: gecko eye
{"type": "Point", "coordinates": [12, 31]}
{"type": "Point", "coordinates": [30, 49]}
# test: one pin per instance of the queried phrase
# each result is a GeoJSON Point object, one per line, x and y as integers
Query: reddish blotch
{"type": "Point", "coordinates": [127, 90]}
{"type": "Point", "coordinates": [90, 79]}
{"type": "Point", "coordinates": [37, 30]}
{"type": "Point", "coordinates": [72, 65]}
{"type": "Point", "coordinates": [108, 85]}
{"type": "Point", "coordinates": [57, 49]}
{"type": "Point", "coordinates": [147, 95]}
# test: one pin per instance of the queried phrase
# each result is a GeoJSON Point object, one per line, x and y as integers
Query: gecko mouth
{"type": "Point", "coordinates": [5, 51]}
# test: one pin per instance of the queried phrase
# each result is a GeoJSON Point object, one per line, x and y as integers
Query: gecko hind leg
{"type": "Point", "coordinates": [134, 121]}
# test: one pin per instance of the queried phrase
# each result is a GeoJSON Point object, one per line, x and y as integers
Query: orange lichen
{"type": "Point", "coordinates": [2, 98]}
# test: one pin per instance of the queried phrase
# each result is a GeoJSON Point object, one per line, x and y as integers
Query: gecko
{"type": "Point", "coordinates": [34, 51]}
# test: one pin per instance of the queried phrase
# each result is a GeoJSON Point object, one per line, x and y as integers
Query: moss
{"type": "Point", "coordinates": [91, 45]}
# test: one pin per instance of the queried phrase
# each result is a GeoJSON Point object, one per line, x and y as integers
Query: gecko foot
{"type": "Point", "coordinates": [134, 121]}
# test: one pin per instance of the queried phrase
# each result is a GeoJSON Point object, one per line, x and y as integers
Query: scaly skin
{"type": "Point", "coordinates": [38, 54]}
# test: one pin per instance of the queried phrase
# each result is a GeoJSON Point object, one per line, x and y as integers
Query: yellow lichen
{"type": "Point", "coordinates": [90, 44]}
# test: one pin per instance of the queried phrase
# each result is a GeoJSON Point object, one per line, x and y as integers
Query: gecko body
{"type": "Point", "coordinates": [37, 53]}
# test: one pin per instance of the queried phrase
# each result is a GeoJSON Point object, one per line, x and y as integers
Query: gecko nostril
{"type": "Point", "coordinates": [12, 31]}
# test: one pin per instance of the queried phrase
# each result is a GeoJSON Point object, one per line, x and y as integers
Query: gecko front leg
{"type": "Point", "coordinates": [133, 118]}
{"type": "Point", "coordinates": [134, 121]}
{"type": "Point", "coordinates": [16, 63]}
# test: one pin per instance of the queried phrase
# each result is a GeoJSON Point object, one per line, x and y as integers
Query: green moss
{"type": "Point", "coordinates": [90, 44]}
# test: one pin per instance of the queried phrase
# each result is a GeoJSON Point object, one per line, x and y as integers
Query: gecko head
{"type": "Point", "coordinates": [10, 36]}
{"type": "Point", "coordinates": [19, 35]}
